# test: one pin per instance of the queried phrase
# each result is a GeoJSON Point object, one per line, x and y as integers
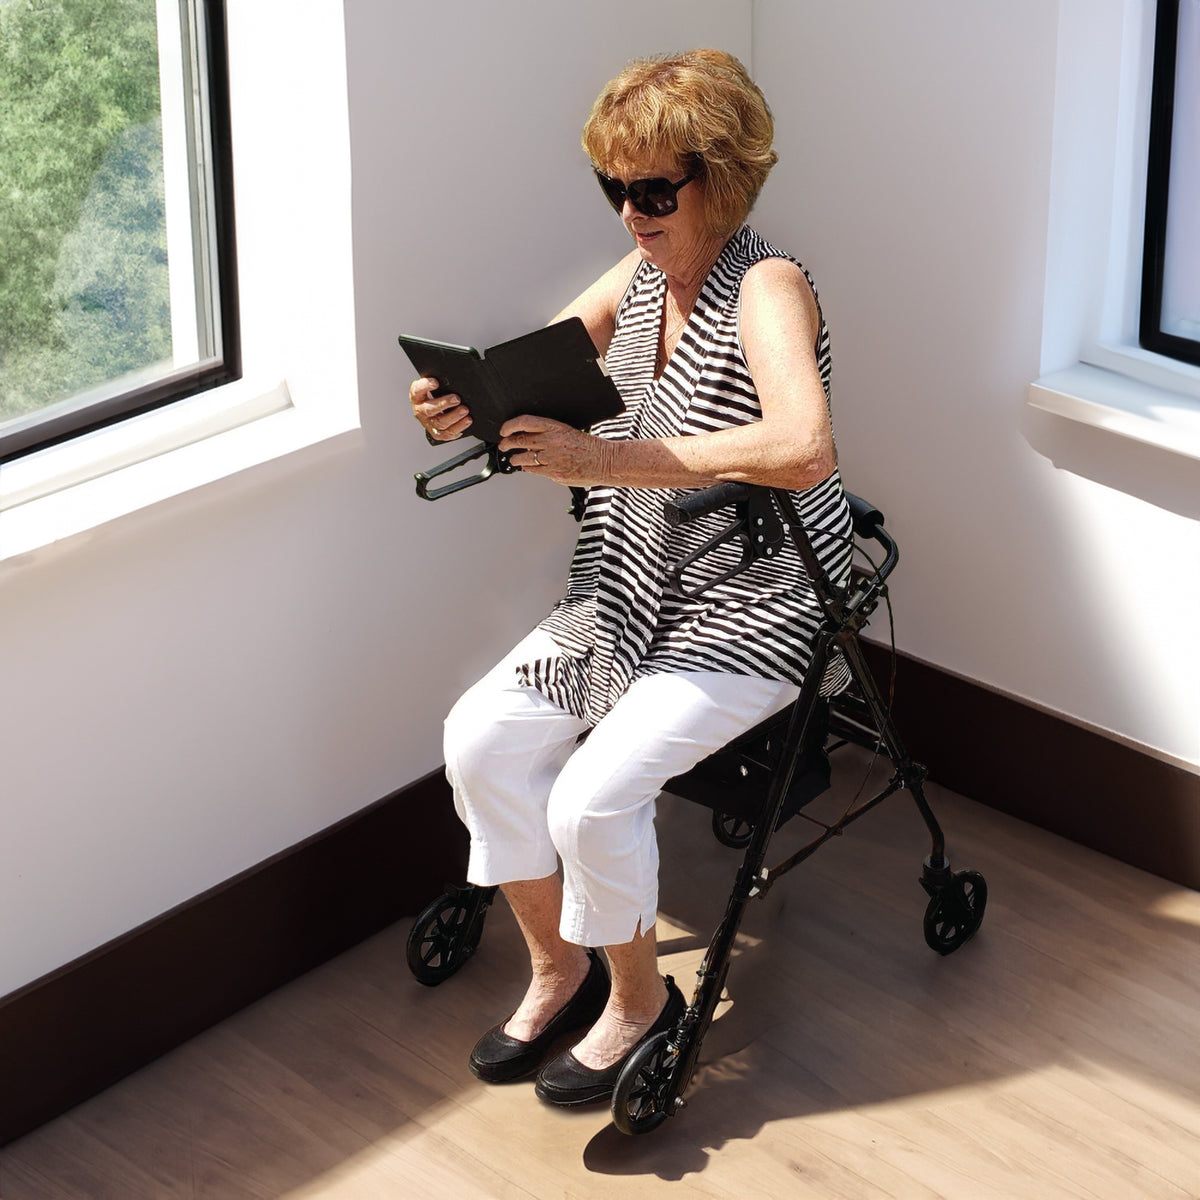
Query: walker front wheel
{"type": "Point", "coordinates": [642, 1099]}
{"type": "Point", "coordinates": [955, 911]}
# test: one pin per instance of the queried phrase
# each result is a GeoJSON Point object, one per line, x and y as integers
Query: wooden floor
{"type": "Point", "coordinates": [1056, 1055]}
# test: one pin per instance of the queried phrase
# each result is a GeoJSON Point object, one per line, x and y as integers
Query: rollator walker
{"type": "Point", "coordinates": [753, 785]}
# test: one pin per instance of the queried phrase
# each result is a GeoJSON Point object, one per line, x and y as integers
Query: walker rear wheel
{"type": "Point", "coordinates": [446, 933]}
{"type": "Point", "coordinates": [731, 831]}
{"type": "Point", "coordinates": [955, 911]}
{"type": "Point", "coordinates": [641, 1100]}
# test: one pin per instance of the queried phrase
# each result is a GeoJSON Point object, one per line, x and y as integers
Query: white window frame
{"type": "Point", "coordinates": [177, 183]}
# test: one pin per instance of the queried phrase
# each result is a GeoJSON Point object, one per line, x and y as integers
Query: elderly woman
{"type": "Point", "coordinates": [717, 345]}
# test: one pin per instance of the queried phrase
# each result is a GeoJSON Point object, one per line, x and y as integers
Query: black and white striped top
{"type": "Point", "coordinates": [621, 618]}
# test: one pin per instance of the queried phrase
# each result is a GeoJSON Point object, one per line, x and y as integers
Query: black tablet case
{"type": "Point", "coordinates": [553, 372]}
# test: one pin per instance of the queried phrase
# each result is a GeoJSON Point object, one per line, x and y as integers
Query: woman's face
{"type": "Point", "coordinates": [680, 244]}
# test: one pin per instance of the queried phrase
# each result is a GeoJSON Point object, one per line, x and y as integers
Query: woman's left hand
{"type": "Point", "coordinates": [541, 446]}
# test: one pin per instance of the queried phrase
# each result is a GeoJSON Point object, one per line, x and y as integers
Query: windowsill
{"type": "Point", "coordinates": [1110, 398]}
{"type": "Point", "coordinates": [88, 481]}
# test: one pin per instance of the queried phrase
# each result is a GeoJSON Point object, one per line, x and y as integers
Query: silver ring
{"type": "Point", "coordinates": [537, 462]}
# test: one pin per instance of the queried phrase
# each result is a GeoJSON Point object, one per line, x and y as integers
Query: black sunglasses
{"type": "Point", "coordinates": [651, 197]}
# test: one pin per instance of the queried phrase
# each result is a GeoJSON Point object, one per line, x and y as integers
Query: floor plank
{"type": "Point", "coordinates": [1054, 1056]}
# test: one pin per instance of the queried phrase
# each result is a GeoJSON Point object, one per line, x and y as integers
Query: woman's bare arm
{"type": "Point", "coordinates": [791, 447]}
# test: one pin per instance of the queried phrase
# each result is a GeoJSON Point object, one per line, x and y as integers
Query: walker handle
{"type": "Point", "coordinates": [699, 504]}
{"type": "Point", "coordinates": [497, 464]}
{"type": "Point", "coordinates": [868, 520]}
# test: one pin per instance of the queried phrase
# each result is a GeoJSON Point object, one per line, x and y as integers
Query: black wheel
{"type": "Point", "coordinates": [641, 1100]}
{"type": "Point", "coordinates": [731, 831]}
{"type": "Point", "coordinates": [954, 912]}
{"type": "Point", "coordinates": [445, 934]}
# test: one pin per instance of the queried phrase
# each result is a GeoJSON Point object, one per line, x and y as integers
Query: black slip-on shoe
{"type": "Point", "coordinates": [498, 1058]}
{"type": "Point", "coordinates": [564, 1080]}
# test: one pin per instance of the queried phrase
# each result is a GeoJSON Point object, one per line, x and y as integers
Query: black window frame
{"type": "Point", "coordinates": [38, 433]}
{"type": "Point", "coordinates": [1151, 335]}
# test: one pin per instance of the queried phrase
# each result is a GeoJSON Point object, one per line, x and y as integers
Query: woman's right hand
{"type": "Point", "coordinates": [444, 418]}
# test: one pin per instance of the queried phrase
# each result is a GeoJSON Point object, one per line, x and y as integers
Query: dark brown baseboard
{"type": "Point", "coordinates": [69, 1035]}
{"type": "Point", "coordinates": [1048, 771]}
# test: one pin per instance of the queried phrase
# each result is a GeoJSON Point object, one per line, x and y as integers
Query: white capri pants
{"type": "Point", "coordinates": [530, 795]}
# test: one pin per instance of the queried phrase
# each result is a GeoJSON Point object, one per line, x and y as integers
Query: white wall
{"type": "Point", "coordinates": [203, 683]}
{"type": "Point", "coordinates": [916, 179]}
{"type": "Point", "coordinates": [189, 689]}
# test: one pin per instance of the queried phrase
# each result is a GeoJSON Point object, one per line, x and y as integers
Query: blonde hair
{"type": "Point", "coordinates": [700, 108]}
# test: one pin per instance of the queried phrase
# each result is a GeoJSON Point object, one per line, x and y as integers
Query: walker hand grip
{"type": "Point", "coordinates": [867, 518]}
{"type": "Point", "coordinates": [868, 523]}
{"type": "Point", "coordinates": [700, 504]}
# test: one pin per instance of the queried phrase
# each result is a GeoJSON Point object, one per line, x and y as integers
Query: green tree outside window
{"type": "Point", "coordinates": [83, 261]}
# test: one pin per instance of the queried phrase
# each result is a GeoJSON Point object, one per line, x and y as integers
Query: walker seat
{"type": "Point", "coordinates": [734, 780]}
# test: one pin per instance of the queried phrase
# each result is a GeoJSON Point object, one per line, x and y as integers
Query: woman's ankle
{"type": "Point", "coordinates": [553, 985]}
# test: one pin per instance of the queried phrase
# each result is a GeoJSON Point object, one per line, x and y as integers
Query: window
{"type": "Point", "coordinates": [117, 284]}
{"type": "Point", "coordinates": [1093, 369]}
{"type": "Point", "coordinates": [1170, 314]}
